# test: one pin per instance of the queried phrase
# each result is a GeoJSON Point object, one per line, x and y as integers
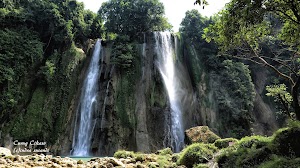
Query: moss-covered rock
{"type": "Point", "coordinates": [254, 142]}
{"type": "Point", "coordinates": [224, 143]}
{"type": "Point", "coordinates": [124, 154]}
{"type": "Point", "coordinates": [165, 151]}
{"type": "Point", "coordinates": [200, 134]}
{"type": "Point", "coordinates": [248, 152]}
{"type": "Point", "coordinates": [287, 142]}
{"type": "Point", "coordinates": [196, 153]}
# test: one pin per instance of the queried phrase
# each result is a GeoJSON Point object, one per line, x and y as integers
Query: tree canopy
{"type": "Point", "coordinates": [133, 16]}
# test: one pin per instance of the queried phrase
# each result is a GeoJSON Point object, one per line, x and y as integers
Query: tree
{"type": "Point", "coordinates": [193, 24]}
{"type": "Point", "coordinates": [245, 29]}
{"type": "Point", "coordinates": [133, 16]}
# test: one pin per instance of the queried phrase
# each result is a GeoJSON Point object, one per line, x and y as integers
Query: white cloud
{"type": "Point", "coordinates": [174, 9]}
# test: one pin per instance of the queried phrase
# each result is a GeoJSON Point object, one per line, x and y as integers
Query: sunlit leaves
{"type": "Point", "coordinates": [279, 90]}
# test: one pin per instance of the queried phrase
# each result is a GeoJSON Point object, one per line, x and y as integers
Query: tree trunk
{"type": "Point", "coordinates": [295, 94]}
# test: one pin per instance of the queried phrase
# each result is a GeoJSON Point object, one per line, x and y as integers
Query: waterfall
{"type": "Point", "coordinates": [165, 62]}
{"type": "Point", "coordinates": [82, 140]}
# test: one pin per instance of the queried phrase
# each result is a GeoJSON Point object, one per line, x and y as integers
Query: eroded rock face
{"type": "Point", "coordinates": [200, 134]}
{"type": "Point", "coordinates": [265, 122]}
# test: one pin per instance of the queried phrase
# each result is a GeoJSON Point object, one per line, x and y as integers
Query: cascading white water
{"type": "Point", "coordinates": [82, 140]}
{"type": "Point", "coordinates": [165, 62]}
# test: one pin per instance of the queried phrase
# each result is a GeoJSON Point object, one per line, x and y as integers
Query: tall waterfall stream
{"type": "Point", "coordinates": [166, 65]}
{"type": "Point", "coordinates": [83, 130]}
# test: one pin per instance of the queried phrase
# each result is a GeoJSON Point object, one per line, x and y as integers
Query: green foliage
{"type": "Point", "coordinates": [241, 35]}
{"type": "Point", "coordinates": [202, 55]}
{"type": "Point", "coordinates": [286, 141]}
{"type": "Point", "coordinates": [234, 98]}
{"type": "Point", "coordinates": [196, 153]}
{"type": "Point", "coordinates": [235, 114]}
{"type": "Point", "coordinates": [280, 93]}
{"type": "Point", "coordinates": [20, 51]}
{"type": "Point", "coordinates": [254, 142]}
{"type": "Point", "coordinates": [280, 162]}
{"type": "Point", "coordinates": [57, 22]}
{"type": "Point", "coordinates": [279, 150]}
{"type": "Point", "coordinates": [48, 71]}
{"type": "Point", "coordinates": [124, 154]}
{"type": "Point", "coordinates": [125, 104]}
{"type": "Point", "coordinates": [224, 143]}
{"type": "Point", "coordinates": [166, 151]}
{"type": "Point", "coordinates": [37, 50]}
{"type": "Point", "coordinates": [127, 62]}
{"type": "Point", "coordinates": [123, 53]}
{"type": "Point", "coordinates": [192, 26]}
{"type": "Point", "coordinates": [281, 96]}
{"type": "Point", "coordinates": [129, 17]}
{"type": "Point", "coordinates": [248, 152]}
{"type": "Point", "coordinates": [33, 123]}
{"type": "Point", "coordinates": [140, 157]}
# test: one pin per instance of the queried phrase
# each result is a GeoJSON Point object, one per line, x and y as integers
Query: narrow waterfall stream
{"type": "Point", "coordinates": [83, 130]}
{"type": "Point", "coordinates": [165, 63]}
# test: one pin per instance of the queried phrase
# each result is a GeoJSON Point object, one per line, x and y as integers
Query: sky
{"type": "Point", "coordinates": [174, 9]}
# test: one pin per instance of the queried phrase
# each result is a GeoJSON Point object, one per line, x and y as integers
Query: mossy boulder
{"type": "Point", "coordinates": [124, 154]}
{"type": "Point", "coordinates": [165, 151]}
{"type": "Point", "coordinates": [200, 134]}
{"type": "Point", "coordinates": [254, 142]}
{"type": "Point", "coordinates": [287, 142]}
{"type": "Point", "coordinates": [224, 143]}
{"type": "Point", "coordinates": [196, 153]}
{"type": "Point", "coordinates": [248, 152]}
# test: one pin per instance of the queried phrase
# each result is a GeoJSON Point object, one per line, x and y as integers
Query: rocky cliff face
{"type": "Point", "coordinates": [45, 111]}
{"type": "Point", "coordinates": [133, 112]}
{"type": "Point", "coordinates": [217, 103]}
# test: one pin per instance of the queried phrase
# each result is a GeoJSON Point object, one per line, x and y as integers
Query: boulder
{"type": "Point", "coordinates": [5, 152]}
{"type": "Point", "coordinates": [200, 134]}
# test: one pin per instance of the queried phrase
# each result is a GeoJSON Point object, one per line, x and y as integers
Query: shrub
{"type": "Point", "coordinates": [281, 162]}
{"type": "Point", "coordinates": [224, 143]}
{"type": "Point", "coordinates": [140, 157]}
{"type": "Point", "coordinates": [248, 152]}
{"type": "Point", "coordinates": [243, 157]}
{"type": "Point", "coordinates": [286, 142]}
{"type": "Point", "coordinates": [254, 142]}
{"type": "Point", "coordinates": [124, 154]}
{"type": "Point", "coordinates": [165, 151]}
{"type": "Point", "coordinates": [196, 153]}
